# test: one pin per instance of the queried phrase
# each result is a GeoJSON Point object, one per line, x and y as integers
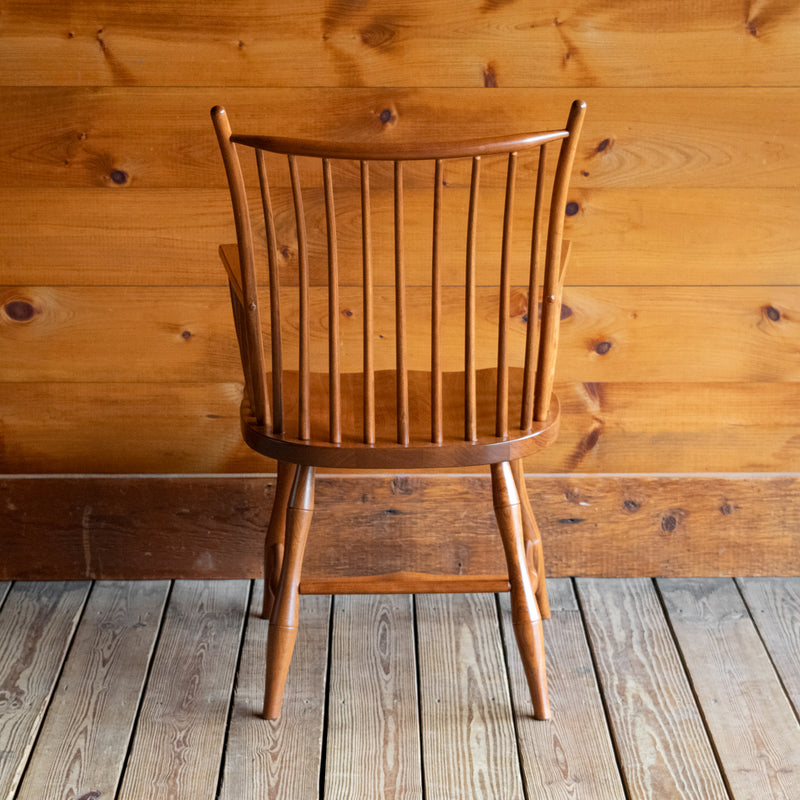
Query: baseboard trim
{"type": "Point", "coordinates": [150, 527]}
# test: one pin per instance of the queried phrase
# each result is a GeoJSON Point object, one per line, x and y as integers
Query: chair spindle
{"type": "Point", "coordinates": [368, 351]}
{"type": "Point", "coordinates": [274, 295]}
{"type": "Point", "coordinates": [470, 390]}
{"type": "Point", "coordinates": [534, 279]}
{"type": "Point", "coordinates": [304, 426]}
{"type": "Point", "coordinates": [501, 422]}
{"type": "Point", "coordinates": [403, 436]}
{"type": "Point", "coordinates": [334, 381]}
{"type": "Point", "coordinates": [437, 423]}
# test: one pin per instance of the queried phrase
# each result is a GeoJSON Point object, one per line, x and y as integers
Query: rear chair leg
{"type": "Point", "coordinates": [284, 618]}
{"type": "Point", "coordinates": [525, 613]}
{"type": "Point", "coordinates": [273, 547]}
{"type": "Point", "coordinates": [533, 542]}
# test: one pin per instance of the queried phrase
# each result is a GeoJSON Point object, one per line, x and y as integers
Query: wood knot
{"type": "Point", "coordinates": [119, 176]}
{"type": "Point", "coordinates": [671, 520]}
{"type": "Point", "coordinates": [401, 485]}
{"type": "Point", "coordinates": [601, 348]}
{"type": "Point", "coordinates": [490, 76]}
{"type": "Point", "coordinates": [20, 310]}
{"type": "Point", "coordinates": [572, 208]}
{"type": "Point", "coordinates": [378, 34]}
{"type": "Point", "coordinates": [772, 313]}
{"type": "Point", "coordinates": [388, 116]}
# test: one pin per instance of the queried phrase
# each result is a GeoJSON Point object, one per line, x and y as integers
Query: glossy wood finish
{"type": "Point", "coordinates": [272, 434]}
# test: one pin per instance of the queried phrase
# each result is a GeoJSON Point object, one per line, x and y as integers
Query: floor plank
{"type": "Point", "coordinates": [83, 742]}
{"type": "Point", "coordinates": [279, 759]}
{"type": "Point", "coordinates": [755, 731]}
{"type": "Point", "coordinates": [571, 755]}
{"type": "Point", "coordinates": [775, 606]}
{"type": "Point", "coordinates": [373, 710]}
{"type": "Point", "coordinates": [660, 739]}
{"type": "Point", "coordinates": [5, 587]}
{"type": "Point", "coordinates": [468, 744]}
{"type": "Point", "coordinates": [180, 733]}
{"type": "Point", "coordinates": [37, 623]}
{"type": "Point", "coordinates": [668, 680]}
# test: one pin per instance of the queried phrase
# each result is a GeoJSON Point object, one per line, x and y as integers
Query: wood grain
{"type": "Point", "coordinates": [687, 177]}
{"type": "Point", "coordinates": [628, 236]}
{"type": "Point", "coordinates": [774, 604]}
{"type": "Point", "coordinates": [750, 719]}
{"type": "Point", "coordinates": [608, 334]}
{"type": "Point", "coordinates": [81, 747]}
{"type": "Point", "coordinates": [372, 703]}
{"type": "Point", "coordinates": [37, 623]}
{"type": "Point", "coordinates": [657, 728]}
{"type": "Point", "coordinates": [468, 741]}
{"type": "Point", "coordinates": [280, 758]}
{"type": "Point", "coordinates": [73, 137]}
{"type": "Point", "coordinates": [571, 755]}
{"type": "Point", "coordinates": [181, 726]}
{"type": "Point", "coordinates": [415, 43]}
{"type": "Point", "coordinates": [605, 427]}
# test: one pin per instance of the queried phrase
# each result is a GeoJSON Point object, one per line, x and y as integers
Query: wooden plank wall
{"type": "Point", "coordinates": [681, 344]}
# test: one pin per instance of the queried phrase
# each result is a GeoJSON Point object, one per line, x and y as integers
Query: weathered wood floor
{"type": "Point", "coordinates": [681, 688]}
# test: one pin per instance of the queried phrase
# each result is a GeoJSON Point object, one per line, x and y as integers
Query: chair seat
{"type": "Point", "coordinates": [386, 452]}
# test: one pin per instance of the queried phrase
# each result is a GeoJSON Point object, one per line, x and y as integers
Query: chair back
{"type": "Point", "coordinates": [395, 252]}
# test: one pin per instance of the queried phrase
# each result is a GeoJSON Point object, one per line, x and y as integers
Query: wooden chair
{"type": "Point", "coordinates": [410, 410]}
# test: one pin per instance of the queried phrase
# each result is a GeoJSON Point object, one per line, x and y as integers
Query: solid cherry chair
{"type": "Point", "coordinates": [406, 408]}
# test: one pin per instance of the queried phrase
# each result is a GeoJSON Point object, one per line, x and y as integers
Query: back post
{"type": "Point", "coordinates": [253, 354]}
{"type": "Point", "coordinates": [553, 271]}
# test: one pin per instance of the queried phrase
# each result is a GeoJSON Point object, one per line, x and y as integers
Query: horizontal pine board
{"type": "Point", "coordinates": [605, 427]}
{"type": "Point", "coordinates": [413, 43]}
{"type": "Point", "coordinates": [620, 236]}
{"type": "Point", "coordinates": [609, 334]}
{"type": "Point", "coordinates": [74, 137]}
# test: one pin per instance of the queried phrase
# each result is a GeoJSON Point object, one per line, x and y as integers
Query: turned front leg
{"type": "Point", "coordinates": [276, 534]}
{"type": "Point", "coordinates": [285, 613]}
{"type": "Point", "coordinates": [525, 615]}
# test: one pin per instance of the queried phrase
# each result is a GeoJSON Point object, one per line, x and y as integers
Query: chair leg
{"type": "Point", "coordinates": [273, 547]}
{"type": "Point", "coordinates": [533, 542]}
{"type": "Point", "coordinates": [525, 613]}
{"type": "Point", "coordinates": [284, 617]}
